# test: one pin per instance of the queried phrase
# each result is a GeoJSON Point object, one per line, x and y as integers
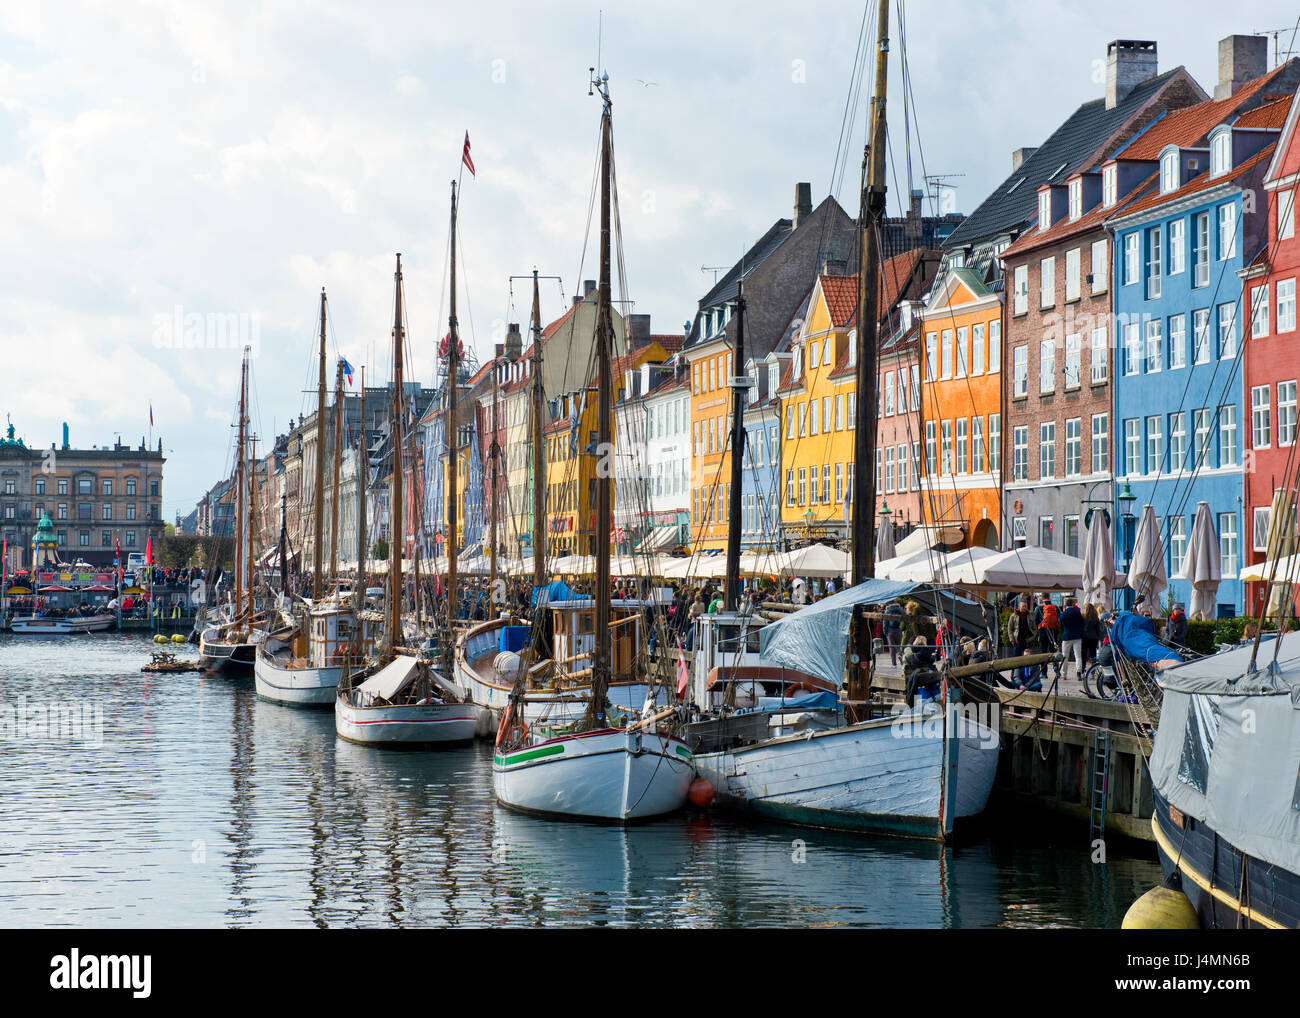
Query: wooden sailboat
{"type": "Point", "coordinates": [231, 646]}
{"type": "Point", "coordinates": [305, 655]}
{"type": "Point", "coordinates": [798, 752]}
{"type": "Point", "coordinates": [608, 765]}
{"type": "Point", "coordinates": [398, 698]}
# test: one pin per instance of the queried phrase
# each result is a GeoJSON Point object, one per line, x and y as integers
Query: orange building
{"type": "Point", "coordinates": [961, 412]}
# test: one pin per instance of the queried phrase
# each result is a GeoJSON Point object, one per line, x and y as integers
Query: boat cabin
{"type": "Point", "coordinates": [574, 628]}
{"type": "Point", "coordinates": [336, 634]}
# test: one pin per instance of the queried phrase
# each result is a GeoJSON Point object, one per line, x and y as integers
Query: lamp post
{"type": "Point", "coordinates": [1126, 498]}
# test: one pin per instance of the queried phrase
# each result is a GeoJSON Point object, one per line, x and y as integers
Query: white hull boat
{"type": "Point", "coordinates": [895, 775]}
{"type": "Point", "coordinates": [62, 626]}
{"type": "Point", "coordinates": [307, 687]}
{"type": "Point", "coordinates": [609, 774]}
{"type": "Point", "coordinates": [223, 655]}
{"type": "Point", "coordinates": [404, 702]}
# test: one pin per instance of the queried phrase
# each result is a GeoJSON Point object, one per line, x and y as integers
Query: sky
{"type": "Point", "coordinates": [180, 179]}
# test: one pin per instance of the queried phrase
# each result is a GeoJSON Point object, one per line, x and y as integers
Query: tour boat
{"type": "Point", "coordinates": [37, 625]}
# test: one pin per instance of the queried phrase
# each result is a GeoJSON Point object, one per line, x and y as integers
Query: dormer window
{"type": "Point", "coordinates": [796, 369]}
{"type": "Point", "coordinates": [1169, 170]}
{"type": "Point", "coordinates": [1221, 152]}
{"type": "Point", "coordinates": [1076, 198]}
{"type": "Point", "coordinates": [1045, 210]}
{"type": "Point", "coordinates": [773, 377]}
{"type": "Point", "coordinates": [1109, 185]}
{"type": "Point", "coordinates": [853, 347]}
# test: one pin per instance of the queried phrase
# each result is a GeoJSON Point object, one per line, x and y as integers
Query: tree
{"type": "Point", "coordinates": [380, 550]}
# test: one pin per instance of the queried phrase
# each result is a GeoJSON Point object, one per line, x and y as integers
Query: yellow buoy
{"type": "Point", "coordinates": [1161, 908]}
{"type": "Point", "coordinates": [178, 638]}
{"type": "Point", "coordinates": [159, 638]}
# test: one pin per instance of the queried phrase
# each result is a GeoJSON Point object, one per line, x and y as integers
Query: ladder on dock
{"type": "Point", "coordinates": [1100, 785]}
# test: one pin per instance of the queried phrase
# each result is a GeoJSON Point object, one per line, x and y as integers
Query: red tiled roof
{"type": "Point", "coordinates": [841, 292]}
{"type": "Point", "coordinates": [1065, 228]}
{"type": "Point", "coordinates": [670, 341]}
{"type": "Point", "coordinates": [1271, 116]}
{"type": "Point", "coordinates": [1190, 124]}
{"type": "Point", "coordinates": [1203, 182]}
{"type": "Point", "coordinates": [841, 295]}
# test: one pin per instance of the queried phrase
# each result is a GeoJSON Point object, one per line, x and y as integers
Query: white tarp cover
{"type": "Point", "coordinates": [816, 560]}
{"type": "Point", "coordinates": [1227, 750]}
{"type": "Point", "coordinates": [814, 639]}
{"type": "Point", "coordinates": [390, 679]}
{"type": "Point", "coordinates": [924, 538]}
{"type": "Point", "coordinates": [956, 567]}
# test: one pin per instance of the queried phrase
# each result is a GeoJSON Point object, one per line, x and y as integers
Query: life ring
{"type": "Point", "coordinates": [342, 651]}
{"type": "Point", "coordinates": [506, 716]}
{"type": "Point", "coordinates": [798, 689]}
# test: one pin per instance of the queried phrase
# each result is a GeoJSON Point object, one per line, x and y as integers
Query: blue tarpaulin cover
{"type": "Point", "coordinates": [814, 639]}
{"type": "Point", "coordinates": [1135, 636]}
{"type": "Point", "coordinates": [556, 590]}
{"type": "Point", "coordinates": [824, 700]}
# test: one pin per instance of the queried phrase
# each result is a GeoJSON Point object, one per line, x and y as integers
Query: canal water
{"type": "Point", "coordinates": [184, 800]}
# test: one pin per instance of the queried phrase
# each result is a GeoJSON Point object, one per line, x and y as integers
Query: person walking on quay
{"type": "Point", "coordinates": [1047, 621]}
{"type": "Point", "coordinates": [1072, 636]}
{"type": "Point", "coordinates": [1020, 634]}
{"type": "Point", "coordinates": [1176, 629]}
{"type": "Point", "coordinates": [894, 630]}
{"type": "Point", "coordinates": [1091, 634]}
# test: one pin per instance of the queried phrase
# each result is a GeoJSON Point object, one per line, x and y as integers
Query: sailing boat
{"type": "Point", "coordinates": [607, 765]}
{"type": "Point", "coordinates": [302, 659]}
{"type": "Point", "coordinates": [231, 646]}
{"type": "Point", "coordinates": [398, 698]}
{"type": "Point", "coordinates": [790, 752]}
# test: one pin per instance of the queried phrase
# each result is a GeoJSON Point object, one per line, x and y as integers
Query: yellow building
{"type": "Point", "coordinates": [571, 474]}
{"type": "Point", "coordinates": [818, 412]}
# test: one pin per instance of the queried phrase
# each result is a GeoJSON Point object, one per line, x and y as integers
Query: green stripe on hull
{"type": "Point", "coordinates": [532, 754]}
{"type": "Point", "coordinates": [683, 752]}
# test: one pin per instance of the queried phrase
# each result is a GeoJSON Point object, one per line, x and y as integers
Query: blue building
{"type": "Point", "coordinates": [1179, 421]}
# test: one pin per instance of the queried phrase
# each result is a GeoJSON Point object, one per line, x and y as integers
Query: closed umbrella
{"type": "Point", "coordinates": [1202, 566]}
{"type": "Point", "coordinates": [885, 539]}
{"type": "Point", "coordinates": [1146, 570]}
{"type": "Point", "coordinates": [1098, 563]}
{"type": "Point", "coordinates": [1281, 542]}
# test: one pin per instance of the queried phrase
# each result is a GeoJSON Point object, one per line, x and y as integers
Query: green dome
{"type": "Point", "coordinates": [45, 536]}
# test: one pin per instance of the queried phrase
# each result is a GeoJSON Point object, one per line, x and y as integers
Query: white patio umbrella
{"type": "Point", "coordinates": [1203, 566]}
{"type": "Point", "coordinates": [816, 560]}
{"type": "Point", "coordinates": [884, 539]}
{"type": "Point", "coordinates": [958, 567]}
{"type": "Point", "coordinates": [1146, 571]}
{"type": "Point", "coordinates": [1098, 563]}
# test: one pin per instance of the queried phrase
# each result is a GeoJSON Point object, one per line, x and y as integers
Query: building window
{"type": "Point", "coordinates": [916, 470]}
{"type": "Point", "coordinates": [1286, 305]}
{"type": "Point", "coordinates": [130, 511]}
{"type": "Point", "coordinates": [902, 467]}
{"type": "Point", "coordinates": [1154, 252]}
{"type": "Point", "coordinates": [1109, 188]}
{"type": "Point", "coordinates": [1019, 531]}
{"type": "Point", "coordinates": [1261, 427]}
{"type": "Point", "coordinates": [106, 539]}
{"type": "Point", "coordinates": [977, 444]}
{"type": "Point", "coordinates": [1228, 543]}
{"type": "Point", "coordinates": [1047, 366]}
{"type": "Point", "coordinates": [1177, 542]}
{"type": "Point", "coordinates": [1100, 266]}
{"type": "Point", "coordinates": [789, 487]}
{"type": "Point", "coordinates": [995, 346]}
{"type": "Point", "coordinates": [1285, 215]}
{"type": "Point", "coordinates": [916, 387]}
{"type": "Point", "coordinates": [1221, 153]}
{"type": "Point", "coordinates": [930, 463]}
{"type": "Point", "coordinates": [1227, 331]}
{"type": "Point", "coordinates": [1132, 348]}
{"type": "Point", "coordinates": [1132, 257]}
{"type": "Point", "coordinates": [1072, 536]}
{"type": "Point", "coordinates": [1227, 231]}
{"type": "Point", "coordinates": [1155, 353]}
{"type": "Point", "coordinates": [931, 356]}
{"type": "Point", "coordinates": [1177, 342]}
{"type": "Point", "coordinates": [1228, 447]}
{"type": "Point", "coordinates": [945, 447]}
{"type": "Point", "coordinates": [63, 511]}
{"type": "Point", "coordinates": [1100, 355]}
{"type": "Point", "coordinates": [1201, 250]}
{"type": "Point", "coordinates": [1044, 210]}
{"type": "Point", "coordinates": [815, 480]}
{"type": "Point", "coordinates": [84, 538]}
{"type": "Point", "coordinates": [63, 485]}
{"type": "Point", "coordinates": [129, 538]}
{"type": "Point", "coordinates": [1047, 450]}
{"type": "Point", "coordinates": [40, 485]}
{"type": "Point", "coordinates": [1169, 172]}
{"type": "Point", "coordinates": [1020, 371]}
{"type": "Point", "coordinates": [1020, 452]}
{"type": "Point", "coordinates": [888, 389]}
{"type": "Point", "coordinates": [889, 470]}
{"type": "Point", "coordinates": [1259, 311]}
{"type": "Point", "coordinates": [1073, 446]}
{"type": "Point", "coordinates": [1177, 442]}
{"type": "Point", "coordinates": [853, 410]}
{"type": "Point", "coordinates": [1203, 423]}
{"type": "Point", "coordinates": [839, 412]}
{"type": "Point", "coordinates": [976, 350]}
{"type": "Point", "coordinates": [1286, 413]}
{"type": "Point", "coordinates": [1155, 443]}
{"type": "Point", "coordinates": [962, 446]}
{"type": "Point", "coordinates": [1076, 198]}
{"type": "Point", "coordinates": [1072, 274]}
{"type": "Point", "coordinates": [803, 485]}
{"type": "Point", "coordinates": [106, 511]}
{"type": "Point", "coordinates": [902, 390]}
{"type": "Point", "coordinates": [947, 354]}
{"type": "Point", "coordinates": [1021, 290]}
{"type": "Point", "coordinates": [1177, 247]}
{"type": "Point", "coordinates": [961, 353]}
{"type": "Point", "coordinates": [1132, 446]}
{"type": "Point", "coordinates": [1201, 335]}
{"type": "Point", "coordinates": [839, 482]}
{"type": "Point", "coordinates": [1259, 527]}
{"type": "Point", "coordinates": [1047, 282]}
{"type": "Point", "coordinates": [130, 485]}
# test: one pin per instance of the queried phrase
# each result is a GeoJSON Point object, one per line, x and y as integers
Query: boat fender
{"type": "Point", "coordinates": [507, 716]}
{"type": "Point", "coordinates": [700, 793]}
{"type": "Point", "coordinates": [1161, 908]}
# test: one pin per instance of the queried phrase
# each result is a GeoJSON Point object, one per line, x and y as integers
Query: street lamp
{"type": "Point", "coordinates": [1126, 498]}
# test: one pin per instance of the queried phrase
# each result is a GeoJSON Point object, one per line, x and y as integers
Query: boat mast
{"type": "Point", "coordinates": [396, 531]}
{"type": "Point", "coordinates": [602, 651]}
{"type": "Point", "coordinates": [317, 551]}
{"type": "Point", "coordinates": [494, 452]}
{"type": "Point", "coordinates": [338, 461]}
{"type": "Point", "coordinates": [539, 451]}
{"type": "Point", "coordinates": [284, 541]}
{"type": "Point", "coordinates": [731, 591]}
{"type": "Point", "coordinates": [871, 212]}
{"type": "Point", "coordinates": [453, 451]}
{"type": "Point", "coordinates": [363, 474]}
{"type": "Point", "coordinates": [251, 560]}
{"type": "Point", "coordinates": [239, 486]}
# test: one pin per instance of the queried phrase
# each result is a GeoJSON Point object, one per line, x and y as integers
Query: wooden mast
{"type": "Point", "coordinates": [363, 474]}
{"type": "Point", "coordinates": [539, 450]}
{"type": "Point", "coordinates": [250, 559]}
{"type": "Point", "coordinates": [602, 651]}
{"type": "Point", "coordinates": [451, 430]}
{"type": "Point", "coordinates": [284, 543]}
{"type": "Point", "coordinates": [731, 591]}
{"type": "Point", "coordinates": [338, 462]}
{"type": "Point", "coordinates": [396, 530]}
{"type": "Point", "coordinates": [871, 212]}
{"type": "Point", "coordinates": [239, 488]}
{"type": "Point", "coordinates": [317, 551]}
{"type": "Point", "coordinates": [494, 453]}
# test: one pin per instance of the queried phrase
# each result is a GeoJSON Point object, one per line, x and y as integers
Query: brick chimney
{"type": "Point", "coordinates": [1241, 59]}
{"type": "Point", "coordinates": [802, 203]}
{"type": "Point", "coordinates": [1019, 156]}
{"type": "Point", "coordinates": [638, 330]}
{"type": "Point", "coordinates": [1129, 62]}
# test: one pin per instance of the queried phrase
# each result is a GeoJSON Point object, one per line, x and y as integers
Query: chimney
{"type": "Point", "coordinates": [802, 203]}
{"type": "Point", "coordinates": [587, 286]}
{"type": "Point", "coordinates": [1129, 62]}
{"type": "Point", "coordinates": [1019, 156]}
{"type": "Point", "coordinates": [834, 267]}
{"type": "Point", "coordinates": [638, 330]}
{"type": "Point", "coordinates": [1241, 59]}
{"type": "Point", "coordinates": [914, 217]}
{"type": "Point", "coordinates": [514, 343]}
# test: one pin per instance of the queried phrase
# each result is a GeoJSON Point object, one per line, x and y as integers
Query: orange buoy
{"type": "Point", "coordinates": [700, 793]}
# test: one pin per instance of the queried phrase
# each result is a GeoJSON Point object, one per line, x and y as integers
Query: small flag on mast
{"type": "Point", "coordinates": [469, 163]}
{"type": "Point", "coordinates": [347, 370]}
{"type": "Point", "coordinates": [151, 415]}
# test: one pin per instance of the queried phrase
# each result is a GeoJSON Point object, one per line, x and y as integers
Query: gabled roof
{"type": "Point", "coordinates": [1202, 182]}
{"type": "Point", "coordinates": [1012, 204]}
{"type": "Point", "coordinates": [1189, 126]}
{"type": "Point", "coordinates": [841, 292]}
{"type": "Point", "coordinates": [1066, 228]}
{"type": "Point", "coordinates": [725, 288]}
{"type": "Point", "coordinates": [1270, 117]}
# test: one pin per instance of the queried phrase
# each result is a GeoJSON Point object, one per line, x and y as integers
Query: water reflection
{"type": "Point", "coordinates": [206, 806]}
